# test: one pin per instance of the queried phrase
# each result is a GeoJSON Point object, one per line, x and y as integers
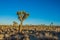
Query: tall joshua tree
{"type": "Point", "coordinates": [22, 15]}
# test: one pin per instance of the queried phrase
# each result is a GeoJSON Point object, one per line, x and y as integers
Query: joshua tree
{"type": "Point", "coordinates": [15, 24]}
{"type": "Point", "coordinates": [51, 24]}
{"type": "Point", "coordinates": [22, 16]}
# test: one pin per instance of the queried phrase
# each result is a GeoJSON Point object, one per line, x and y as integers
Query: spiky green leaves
{"type": "Point", "coordinates": [22, 15]}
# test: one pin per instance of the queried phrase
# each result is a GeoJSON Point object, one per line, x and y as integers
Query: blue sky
{"type": "Point", "coordinates": [41, 11]}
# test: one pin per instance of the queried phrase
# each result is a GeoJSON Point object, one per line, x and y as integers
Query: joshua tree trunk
{"type": "Point", "coordinates": [21, 26]}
